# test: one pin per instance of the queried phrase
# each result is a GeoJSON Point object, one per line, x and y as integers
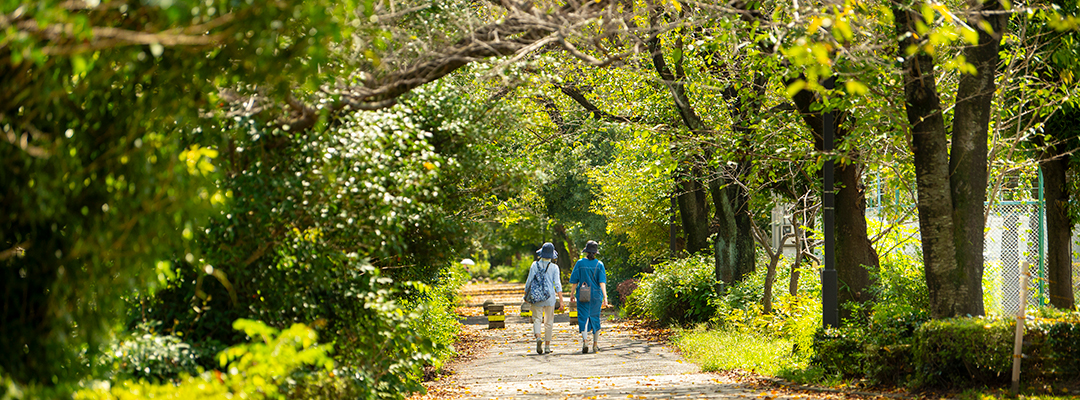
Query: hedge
{"type": "Point", "coordinates": [955, 352]}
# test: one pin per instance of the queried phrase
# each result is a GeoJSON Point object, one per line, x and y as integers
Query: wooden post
{"type": "Point", "coordinates": [572, 308]}
{"type": "Point", "coordinates": [1020, 317]}
{"type": "Point", "coordinates": [496, 316]}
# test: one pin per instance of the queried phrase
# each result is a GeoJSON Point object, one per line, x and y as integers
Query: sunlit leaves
{"type": "Point", "coordinates": [634, 191]}
{"type": "Point", "coordinates": [855, 87]}
{"type": "Point", "coordinates": [198, 159]}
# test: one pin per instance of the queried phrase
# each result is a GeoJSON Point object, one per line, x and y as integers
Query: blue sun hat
{"type": "Point", "coordinates": [547, 251]}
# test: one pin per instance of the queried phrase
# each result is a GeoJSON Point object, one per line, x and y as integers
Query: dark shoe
{"type": "Point", "coordinates": [584, 349]}
{"type": "Point", "coordinates": [539, 347]}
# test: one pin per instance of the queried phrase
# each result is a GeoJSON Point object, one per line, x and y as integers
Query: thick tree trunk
{"type": "Point", "coordinates": [929, 145]}
{"type": "Point", "coordinates": [1058, 231]}
{"type": "Point", "coordinates": [968, 157]}
{"type": "Point", "coordinates": [744, 239]}
{"type": "Point", "coordinates": [855, 257]}
{"type": "Point", "coordinates": [734, 246]}
{"type": "Point", "coordinates": [726, 251]}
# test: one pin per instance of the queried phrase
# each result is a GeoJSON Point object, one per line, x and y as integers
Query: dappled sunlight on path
{"type": "Point", "coordinates": [627, 366]}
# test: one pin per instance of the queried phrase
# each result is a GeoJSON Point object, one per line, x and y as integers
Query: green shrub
{"type": "Point", "coordinates": [877, 348]}
{"type": "Point", "coordinates": [481, 269]}
{"type": "Point", "coordinates": [1051, 350]}
{"type": "Point", "coordinates": [634, 306]}
{"type": "Point", "coordinates": [511, 273]}
{"type": "Point", "coordinates": [260, 369]}
{"type": "Point", "coordinates": [898, 346]}
{"type": "Point", "coordinates": [435, 306]}
{"type": "Point", "coordinates": [900, 283]}
{"type": "Point", "coordinates": [963, 351]}
{"type": "Point", "coordinates": [148, 355]}
{"type": "Point", "coordinates": [679, 291]}
{"type": "Point", "coordinates": [623, 291]}
{"type": "Point", "coordinates": [839, 352]}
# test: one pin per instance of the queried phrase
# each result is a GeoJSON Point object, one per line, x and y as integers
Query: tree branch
{"type": "Point", "coordinates": [573, 92]}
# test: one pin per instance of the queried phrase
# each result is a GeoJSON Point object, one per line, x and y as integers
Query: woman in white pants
{"type": "Point", "coordinates": [544, 311]}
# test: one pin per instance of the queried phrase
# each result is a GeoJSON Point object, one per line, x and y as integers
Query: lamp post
{"type": "Point", "coordinates": [830, 316]}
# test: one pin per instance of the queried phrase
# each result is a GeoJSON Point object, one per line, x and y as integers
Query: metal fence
{"type": "Point", "coordinates": [1015, 232]}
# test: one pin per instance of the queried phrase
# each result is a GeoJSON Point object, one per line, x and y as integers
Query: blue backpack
{"type": "Point", "coordinates": [539, 289]}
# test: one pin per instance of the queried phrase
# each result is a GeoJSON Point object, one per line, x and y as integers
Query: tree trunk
{"type": "Point", "coordinates": [968, 157]}
{"type": "Point", "coordinates": [770, 278]}
{"type": "Point", "coordinates": [929, 145]}
{"type": "Point", "coordinates": [744, 240]}
{"type": "Point", "coordinates": [800, 244]}
{"type": "Point", "coordinates": [1058, 231]}
{"type": "Point", "coordinates": [855, 256]}
{"type": "Point", "coordinates": [694, 210]}
{"type": "Point", "coordinates": [1063, 130]}
{"type": "Point", "coordinates": [724, 248]}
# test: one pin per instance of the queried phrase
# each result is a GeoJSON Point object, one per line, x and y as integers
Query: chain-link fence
{"type": "Point", "coordinates": [1015, 232]}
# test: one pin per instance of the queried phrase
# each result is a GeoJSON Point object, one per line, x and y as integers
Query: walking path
{"type": "Point", "coordinates": [625, 367]}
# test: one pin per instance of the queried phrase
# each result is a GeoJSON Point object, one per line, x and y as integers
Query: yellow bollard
{"type": "Point", "coordinates": [496, 316]}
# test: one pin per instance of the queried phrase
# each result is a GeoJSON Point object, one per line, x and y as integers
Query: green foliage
{"type": "Point", "coordinates": [877, 343]}
{"type": "Point", "coordinates": [794, 319]}
{"type": "Point", "coordinates": [635, 304]}
{"type": "Point", "coordinates": [434, 304]}
{"type": "Point", "coordinates": [154, 357]}
{"type": "Point", "coordinates": [679, 291]}
{"type": "Point", "coordinates": [513, 273]}
{"type": "Point", "coordinates": [899, 282]}
{"type": "Point", "coordinates": [634, 193]}
{"type": "Point", "coordinates": [880, 352]}
{"type": "Point", "coordinates": [101, 112]}
{"type": "Point", "coordinates": [259, 369]}
{"type": "Point", "coordinates": [317, 226]}
{"type": "Point", "coordinates": [963, 351]}
{"type": "Point", "coordinates": [377, 349]}
{"type": "Point", "coordinates": [481, 269]}
{"type": "Point", "coordinates": [902, 348]}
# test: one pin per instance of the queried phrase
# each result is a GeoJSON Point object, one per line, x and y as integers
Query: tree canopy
{"type": "Point", "coordinates": [199, 162]}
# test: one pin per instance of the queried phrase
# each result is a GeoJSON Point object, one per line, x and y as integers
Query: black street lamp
{"type": "Point", "coordinates": [830, 316]}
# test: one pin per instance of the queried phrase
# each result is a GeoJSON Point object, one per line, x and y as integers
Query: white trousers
{"type": "Point", "coordinates": [545, 315]}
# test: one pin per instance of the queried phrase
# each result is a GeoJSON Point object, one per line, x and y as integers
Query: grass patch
{"type": "Point", "coordinates": [717, 350]}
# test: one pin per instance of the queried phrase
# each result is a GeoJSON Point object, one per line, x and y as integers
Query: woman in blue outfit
{"type": "Point", "coordinates": [589, 272]}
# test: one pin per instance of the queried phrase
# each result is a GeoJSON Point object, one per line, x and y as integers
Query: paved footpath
{"type": "Point", "coordinates": [625, 367]}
